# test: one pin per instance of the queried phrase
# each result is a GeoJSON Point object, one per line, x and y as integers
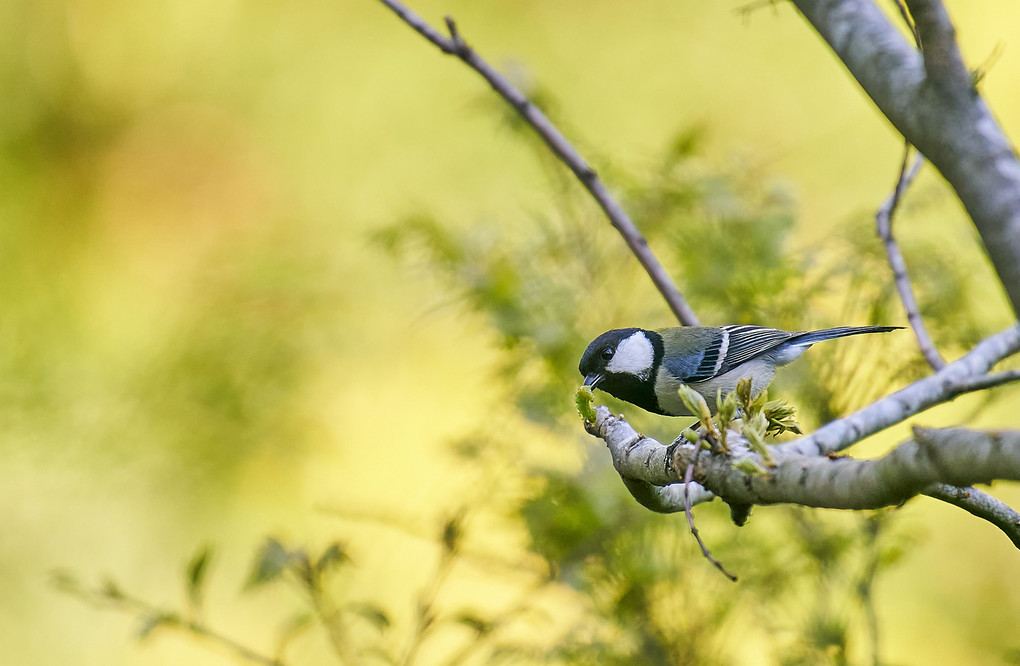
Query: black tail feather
{"type": "Point", "coordinates": [811, 337]}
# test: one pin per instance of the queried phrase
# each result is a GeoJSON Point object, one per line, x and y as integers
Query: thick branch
{"type": "Point", "coordinates": [961, 376]}
{"type": "Point", "coordinates": [665, 499]}
{"type": "Point", "coordinates": [956, 457]}
{"type": "Point", "coordinates": [937, 110]}
{"type": "Point", "coordinates": [563, 149]}
{"type": "Point", "coordinates": [931, 463]}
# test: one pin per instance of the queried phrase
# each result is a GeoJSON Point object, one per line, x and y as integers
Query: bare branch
{"type": "Point", "coordinates": [981, 505]}
{"type": "Point", "coordinates": [961, 376]}
{"type": "Point", "coordinates": [562, 149]}
{"type": "Point", "coordinates": [933, 104]}
{"type": "Point", "coordinates": [883, 224]}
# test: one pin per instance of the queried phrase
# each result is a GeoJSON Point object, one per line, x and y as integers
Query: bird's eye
{"type": "Point", "coordinates": [607, 353]}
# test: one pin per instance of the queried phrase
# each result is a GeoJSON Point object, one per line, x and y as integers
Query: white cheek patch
{"type": "Point", "coordinates": [634, 356]}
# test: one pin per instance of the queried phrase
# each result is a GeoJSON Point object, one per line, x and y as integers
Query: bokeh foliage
{"type": "Point", "coordinates": [191, 338]}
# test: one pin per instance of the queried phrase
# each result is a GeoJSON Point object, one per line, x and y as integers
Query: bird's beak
{"type": "Point", "coordinates": [593, 379]}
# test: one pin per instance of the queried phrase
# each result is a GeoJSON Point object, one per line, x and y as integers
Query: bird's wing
{"type": "Point", "coordinates": [743, 343]}
{"type": "Point", "coordinates": [703, 361]}
{"type": "Point", "coordinates": [722, 349]}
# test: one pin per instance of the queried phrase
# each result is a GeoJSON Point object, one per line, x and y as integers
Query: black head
{"type": "Point", "coordinates": [623, 363]}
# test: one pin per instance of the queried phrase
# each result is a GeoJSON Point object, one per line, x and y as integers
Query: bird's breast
{"type": "Point", "coordinates": [666, 385]}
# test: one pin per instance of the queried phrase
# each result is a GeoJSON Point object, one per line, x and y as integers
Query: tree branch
{"type": "Point", "coordinates": [665, 499]}
{"type": "Point", "coordinates": [937, 109]}
{"type": "Point", "coordinates": [562, 148]}
{"type": "Point", "coordinates": [943, 64]}
{"type": "Point", "coordinates": [930, 463]}
{"type": "Point", "coordinates": [981, 505]}
{"type": "Point", "coordinates": [964, 375]}
{"type": "Point", "coordinates": [883, 224]}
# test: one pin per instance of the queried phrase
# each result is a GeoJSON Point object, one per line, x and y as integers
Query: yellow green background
{"type": "Point", "coordinates": [199, 343]}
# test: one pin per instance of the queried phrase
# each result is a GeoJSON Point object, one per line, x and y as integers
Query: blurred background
{"type": "Point", "coordinates": [284, 271]}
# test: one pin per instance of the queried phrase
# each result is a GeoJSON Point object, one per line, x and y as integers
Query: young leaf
{"type": "Point", "coordinates": [270, 563]}
{"type": "Point", "coordinates": [197, 569]}
{"type": "Point", "coordinates": [479, 625]}
{"type": "Point", "coordinates": [744, 393]}
{"type": "Point", "coordinates": [695, 404]}
{"type": "Point", "coordinates": [452, 533]}
{"type": "Point", "coordinates": [155, 620]}
{"type": "Point", "coordinates": [334, 555]}
{"type": "Point", "coordinates": [781, 418]}
{"type": "Point", "coordinates": [375, 615]}
{"type": "Point", "coordinates": [749, 466]}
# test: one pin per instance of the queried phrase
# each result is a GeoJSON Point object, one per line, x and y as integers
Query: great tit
{"type": "Point", "coordinates": [646, 368]}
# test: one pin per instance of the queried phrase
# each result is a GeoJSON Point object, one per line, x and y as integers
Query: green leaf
{"type": "Point", "coordinates": [66, 582]}
{"type": "Point", "coordinates": [197, 569]}
{"type": "Point", "coordinates": [695, 403]}
{"type": "Point", "coordinates": [476, 623]}
{"type": "Point", "coordinates": [452, 533]}
{"type": "Point", "coordinates": [270, 563]}
{"type": "Point", "coordinates": [111, 590]}
{"type": "Point", "coordinates": [781, 418]}
{"type": "Point", "coordinates": [334, 555]}
{"type": "Point", "coordinates": [749, 466]}
{"type": "Point", "coordinates": [154, 620]}
{"type": "Point", "coordinates": [375, 615]}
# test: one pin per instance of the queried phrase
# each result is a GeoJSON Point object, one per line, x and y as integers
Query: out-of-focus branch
{"type": "Point", "coordinates": [961, 376]}
{"type": "Point", "coordinates": [456, 46]}
{"type": "Point", "coordinates": [883, 224]}
{"type": "Point", "coordinates": [926, 464]}
{"type": "Point", "coordinates": [156, 618]}
{"type": "Point", "coordinates": [932, 101]}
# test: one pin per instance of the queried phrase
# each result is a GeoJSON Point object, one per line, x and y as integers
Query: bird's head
{"type": "Point", "coordinates": [621, 356]}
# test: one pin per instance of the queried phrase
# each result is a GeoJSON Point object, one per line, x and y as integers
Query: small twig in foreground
{"type": "Point", "coordinates": [688, 477]}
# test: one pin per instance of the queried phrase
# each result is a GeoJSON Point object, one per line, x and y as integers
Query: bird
{"type": "Point", "coordinates": [647, 367]}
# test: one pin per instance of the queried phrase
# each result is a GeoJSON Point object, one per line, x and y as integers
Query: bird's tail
{"type": "Point", "coordinates": [811, 337]}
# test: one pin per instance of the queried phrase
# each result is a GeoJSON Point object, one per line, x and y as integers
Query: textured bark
{"type": "Point", "coordinates": [922, 465]}
{"type": "Point", "coordinates": [933, 103]}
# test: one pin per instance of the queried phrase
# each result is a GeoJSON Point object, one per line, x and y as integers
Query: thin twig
{"type": "Point", "coordinates": [688, 477]}
{"type": "Point", "coordinates": [425, 615]}
{"type": "Point", "coordinates": [993, 380]}
{"type": "Point", "coordinates": [866, 585]}
{"type": "Point", "coordinates": [111, 596]}
{"type": "Point", "coordinates": [883, 224]}
{"type": "Point", "coordinates": [455, 45]}
{"type": "Point", "coordinates": [909, 20]}
{"type": "Point", "coordinates": [957, 378]}
{"type": "Point", "coordinates": [982, 505]}
{"type": "Point", "coordinates": [943, 63]}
